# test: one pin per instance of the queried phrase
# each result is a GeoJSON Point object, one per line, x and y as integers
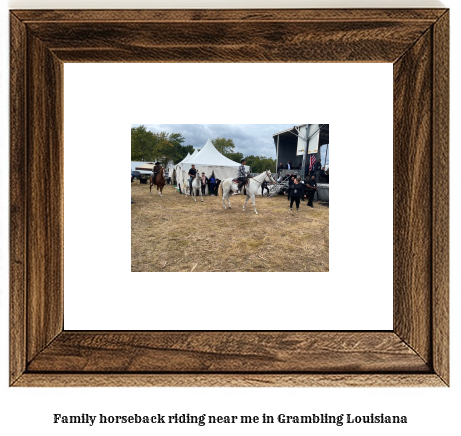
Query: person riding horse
{"type": "Point", "coordinates": [157, 168]}
{"type": "Point", "coordinates": [192, 174]}
{"type": "Point", "coordinates": [241, 176]}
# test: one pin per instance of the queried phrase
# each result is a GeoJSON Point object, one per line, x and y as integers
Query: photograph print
{"type": "Point", "coordinates": [230, 198]}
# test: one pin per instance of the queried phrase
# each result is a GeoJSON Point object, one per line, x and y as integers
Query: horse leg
{"type": "Point", "coordinates": [254, 205]}
{"type": "Point", "coordinates": [223, 198]}
{"type": "Point", "coordinates": [230, 192]}
{"type": "Point", "coordinates": [201, 196]}
{"type": "Point", "coordinates": [246, 201]}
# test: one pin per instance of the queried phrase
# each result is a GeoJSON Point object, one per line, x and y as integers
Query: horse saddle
{"type": "Point", "coordinates": [237, 181]}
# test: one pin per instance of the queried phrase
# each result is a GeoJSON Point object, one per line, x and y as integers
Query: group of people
{"type": "Point", "coordinates": [289, 166]}
{"type": "Point", "coordinates": [212, 182]}
{"type": "Point", "coordinates": [298, 190]}
{"type": "Point", "coordinates": [316, 170]}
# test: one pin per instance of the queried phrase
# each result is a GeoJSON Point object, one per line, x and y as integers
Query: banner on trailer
{"type": "Point", "coordinates": [314, 134]}
{"type": "Point", "coordinates": [302, 141]}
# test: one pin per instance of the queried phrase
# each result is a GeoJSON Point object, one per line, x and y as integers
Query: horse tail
{"type": "Point", "coordinates": [220, 191]}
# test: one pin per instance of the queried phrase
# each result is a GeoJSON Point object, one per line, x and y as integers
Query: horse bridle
{"type": "Point", "coordinates": [262, 181]}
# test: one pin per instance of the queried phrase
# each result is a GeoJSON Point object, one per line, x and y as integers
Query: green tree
{"type": "Point", "coordinates": [136, 152]}
{"type": "Point", "coordinates": [223, 145]}
{"type": "Point", "coordinates": [236, 157]}
{"type": "Point", "coordinates": [258, 164]}
{"type": "Point", "coordinates": [163, 149]}
{"type": "Point", "coordinates": [148, 146]}
{"type": "Point", "coordinates": [142, 142]}
{"type": "Point", "coordinates": [182, 152]}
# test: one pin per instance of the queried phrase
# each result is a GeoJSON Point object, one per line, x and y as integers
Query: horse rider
{"type": "Point", "coordinates": [192, 174]}
{"type": "Point", "coordinates": [241, 176]}
{"type": "Point", "coordinates": [157, 168]}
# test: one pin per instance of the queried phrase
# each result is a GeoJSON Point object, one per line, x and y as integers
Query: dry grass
{"type": "Point", "coordinates": [172, 233]}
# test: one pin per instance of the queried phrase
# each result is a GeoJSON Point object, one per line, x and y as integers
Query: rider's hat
{"type": "Point", "coordinates": [157, 163]}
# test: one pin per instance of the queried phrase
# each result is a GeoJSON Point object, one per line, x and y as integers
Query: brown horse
{"type": "Point", "coordinates": [159, 181]}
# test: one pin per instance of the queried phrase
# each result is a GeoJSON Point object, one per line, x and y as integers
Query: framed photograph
{"type": "Point", "coordinates": [414, 353]}
{"type": "Point", "coordinates": [228, 241]}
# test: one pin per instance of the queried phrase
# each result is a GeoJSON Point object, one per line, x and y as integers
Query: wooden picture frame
{"type": "Point", "coordinates": [414, 353]}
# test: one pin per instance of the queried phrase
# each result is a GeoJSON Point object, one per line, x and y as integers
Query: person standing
{"type": "Point", "coordinates": [241, 176]}
{"type": "Point", "coordinates": [218, 182]}
{"type": "Point", "coordinates": [311, 188]}
{"type": "Point", "coordinates": [212, 183]}
{"type": "Point", "coordinates": [156, 170]}
{"type": "Point", "coordinates": [317, 168]}
{"type": "Point", "coordinates": [264, 185]}
{"type": "Point", "coordinates": [192, 174]}
{"type": "Point", "coordinates": [280, 168]}
{"type": "Point", "coordinates": [204, 183]}
{"type": "Point", "coordinates": [297, 192]}
{"type": "Point", "coordinates": [290, 185]}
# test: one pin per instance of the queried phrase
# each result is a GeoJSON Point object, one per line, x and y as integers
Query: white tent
{"type": "Point", "coordinates": [177, 169]}
{"type": "Point", "coordinates": [187, 157]}
{"type": "Point", "coordinates": [191, 156]}
{"type": "Point", "coordinates": [208, 160]}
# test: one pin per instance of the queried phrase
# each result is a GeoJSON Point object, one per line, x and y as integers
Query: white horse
{"type": "Point", "coordinates": [196, 184]}
{"type": "Point", "coordinates": [227, 186]}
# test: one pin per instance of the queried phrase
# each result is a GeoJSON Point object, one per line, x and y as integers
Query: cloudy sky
{"type": "Point", "coordinates": [249, 139]}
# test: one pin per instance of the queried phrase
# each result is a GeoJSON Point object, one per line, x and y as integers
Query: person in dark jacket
{"type": "Point", "coordinates": [156, 169]}
{"type": "Point", "coordinates": [212, 183]}
{"type": "Point", "coordinates": [296, 193]}
{"type": "Point", "coordinates": [290, 185]}
{"type": "Point", "coordinates": [192, 175]}
{"type": "Point", "coordinates": [280, 168]}
{"type": "Point", "coordinates": [317, 167]}
{"type": "Point", "coordinates": [218, 182]}
{"type": "Point", "coordinates": [311, 188]}
{"type": "Point", "coordinates": [323, 177]}
{"type": "Point", "coordinates": [264, 185]}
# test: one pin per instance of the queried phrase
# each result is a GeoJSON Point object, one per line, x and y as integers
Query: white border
{"type": "Point", "coordinates": [429, 410]}
{"type": "Point", "coordinates": [103, 100]}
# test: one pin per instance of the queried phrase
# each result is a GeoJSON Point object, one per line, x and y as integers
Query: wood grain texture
{"type": "Point", "coordinates": [413, 196]}
{"type": "Point", "coordinates": [308, 41]}
{"type": "Point", "coordinates": [414, 354]}
{"type": "Point", "coordinates": [205, 15]}
{"type": "Point", "coordinates": [18, 211]}
{"type": "Point", "coordinates": [230, 380]}
{"type": "Point", "coordinates": [45, 200]}
{"type": "Point", "coordinates": [240, 352]}
{"type": "Point", "coordinates": [440, 195]}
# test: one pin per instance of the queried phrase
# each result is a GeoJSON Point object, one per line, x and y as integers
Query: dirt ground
{"type": "Point", "coordinates": [174, 233]}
